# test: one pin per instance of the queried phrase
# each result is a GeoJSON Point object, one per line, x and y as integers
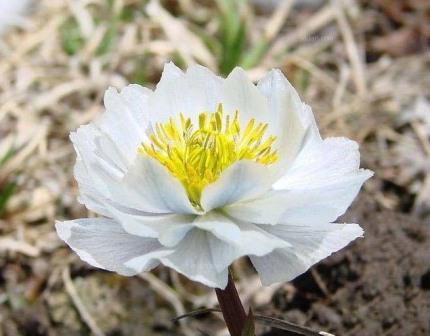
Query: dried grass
{"type": "Point", "coordinates": [53, 73]}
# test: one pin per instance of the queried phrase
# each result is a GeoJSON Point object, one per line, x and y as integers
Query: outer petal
{"type": "Point", "coordinates": [220, 226]}
{"type": "Point", "coordinates": [92, 188]}
{"type": "Point", "coordinates": [283, 99]}
{"type": "Point", "coordinates": [239, 93]}
{"type": "Point", "coordinates": [198, 90]}
{"type": "Point", "coordinates": [320, 186]}
{"type": "Point", "coordinates": [215, 242]}
{"type": "Point", "coordinates": [97, 167]}
{"type": "Point", "coordinates": [290, 117]}
{"type": "Point", "coordinates": [125, 120]}
{"type": "Point", "coordinates": [169, 229]}
{"type": "Point", "coordinates": [12, 13]}
{"type": "Point", "coordinates": [242, 180]}
{"type": "Point", "coordinates": [324, 204]}
{"type": "Point", "coordinates": [310, 244]}
{"type": "Point", "coordinates": [321, 163]}
{"type": "Point", "coordinates": [192, 258]}
{"type": "Point", "coordinates": [231, 240]}
{"type": "Point", "coordinates": [103, 243]}
{"type": "Point", "coordinates": [144, 185]}
{"type": "Point", "coordinates": [237, 233]}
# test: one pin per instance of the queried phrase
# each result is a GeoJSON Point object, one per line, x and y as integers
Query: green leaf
{"type": "Point", "coordinates": [107, 41]}
{"type": "Point", "coordinates": [8, 155]}
{"type": "Point", "coordinates": [232, 33]}
{"type": "Point", "coordinates": [71, 39]}
{"type": "Point", "coordinates": [253, 56]}
{"type": "Point", "coordinates": [5, 193]}
{"type": "Point", "coordinates": [249, 327]}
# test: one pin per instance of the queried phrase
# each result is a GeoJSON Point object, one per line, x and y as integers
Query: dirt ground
{"type": "Point", "coordinates": [379, 286]}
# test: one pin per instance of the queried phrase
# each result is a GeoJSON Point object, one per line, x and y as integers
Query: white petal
{"type": "Point", "coordinates": [321, 184]}
{"type": "Point", "coordinates": [109, 153]}
{"type": "Point", "coordinates": [135, 97]}
{"type": "Point", "coordinates": [290, 118]}
{"type": "Point", "coordinates": [242, 180]}
{"type": "Point", "coordinates": [193, 258]}
{"type": "Point", "coordinates": [12, 13]}
{"type": "Point", "coordinates": [103, 243]}
{"type": "Point", "coordinates": [310, 244]}
{"type": "Point", "coordinates": [283, 99]}
{"type": "Point", "coordinates": [321, 163]}
{"type": "Point", "coordinates": [155, 189]}
{"type": "Point", "coordinates": [307, 119]}
{"type": "Point", "coordinates": [267, 209]}
{"type": "Point", "coordinates": [323, 204]}
{"type": "Point", "coordinates": [124, 120]}
{"type": "Point", "coordinates": [239, 93]}
{"type": "Point", "coordinates": [207, 251]}
{"type": "Point", "coordinates": [90, 190]}
{"type": "Point", "coordinates": [198, 90]}
{"type": "Point", "coordinates": [88, 149]}
{"type": "Point", "coordinates": [232, 240]}
{"type": "Point", "coordinates": [220, 226]}
{"type": "Point", "coordinates": [88, 170]}
{"type": "Point", "coordinates": [326, 203]}
{"type": "Point", "coordinates": [169, 229]}
{"type": "Point", "coordinates": [146, 185]}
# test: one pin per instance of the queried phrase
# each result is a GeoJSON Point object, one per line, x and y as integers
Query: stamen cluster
{"type": "Point", "coordinates": [197, 156]}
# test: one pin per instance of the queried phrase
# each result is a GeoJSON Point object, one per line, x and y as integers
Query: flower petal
{"type": "Point", "coordinates": [321, 163]}
{"type": "Point", "coordinates": [291, 118]}
{"type": "Point", "coordinates": [310, 244]}
{"type": "Point", "coordinates": [220, 226]}
{"type": "Point", "coordinates": [103, 243]}
{"type": "Point", "coordinates": [324, 204]}
{"type": "Point", "coordinates": [90, 190]}
{"type": "Point", "coordinates": [198, 90]}
{"type": "Point", "coordinates": [169, 229]}
{"type": "Point", "coordinates": [207, 251]}
{"type": "Point", "coordinates": [232, 240]}
{"type": "Point", "coordinates": [276, 102]}
{"type": "Point", "coordinates": [320, 185]}
{"type": "Point", "coordinates": [89, 170]}
{"type": "Point", "coordinates": [242, 180]}
{"type": "Point", "coordinates": [145, 185]}
{"type": "Point", "coordinates": [284, 99]}
{"type": "Point", "coordinates": [192, 258]}
{"type": "Point", "coordinates": [155, 188]}
{"type": "Point", "coordinates": [124, 120]}
{"type": "Point", "coordinates": [239, 93]}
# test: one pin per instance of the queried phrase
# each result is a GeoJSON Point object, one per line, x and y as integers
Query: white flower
{"type": "Point", "coordinates": [11, 13]}
{"type": "Point", "coordinates": [204, 170]}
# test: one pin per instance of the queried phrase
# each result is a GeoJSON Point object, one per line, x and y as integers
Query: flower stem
{"type": "Point", "coordinates": [232, 309]}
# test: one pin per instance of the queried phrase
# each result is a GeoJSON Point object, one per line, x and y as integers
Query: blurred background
{"type": "Point", "coordinates": [363, 66]}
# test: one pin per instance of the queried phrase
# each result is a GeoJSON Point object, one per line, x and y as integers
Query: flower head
{"type": "Point", "coordinates": [204, 170]}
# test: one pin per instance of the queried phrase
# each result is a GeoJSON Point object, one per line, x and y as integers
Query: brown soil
{"type": "Point", "coordinates": [378, 286]}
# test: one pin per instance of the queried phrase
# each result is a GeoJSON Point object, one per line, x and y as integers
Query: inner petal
{"type": "Point", "coordinates": [197, 154]}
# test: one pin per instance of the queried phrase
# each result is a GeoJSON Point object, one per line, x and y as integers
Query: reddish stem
{"type": "Point", "coordinates": [232, 309]}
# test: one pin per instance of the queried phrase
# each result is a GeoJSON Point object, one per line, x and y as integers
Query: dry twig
{"type": "Point", "coordinates": [82, 310]}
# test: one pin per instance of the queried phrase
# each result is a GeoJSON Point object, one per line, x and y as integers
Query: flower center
{"type": "Point", "coordinates": [197, 156]}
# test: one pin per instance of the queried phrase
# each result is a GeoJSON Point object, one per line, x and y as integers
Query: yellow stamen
{"type": "Point", "coordinates": [197, 157]}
